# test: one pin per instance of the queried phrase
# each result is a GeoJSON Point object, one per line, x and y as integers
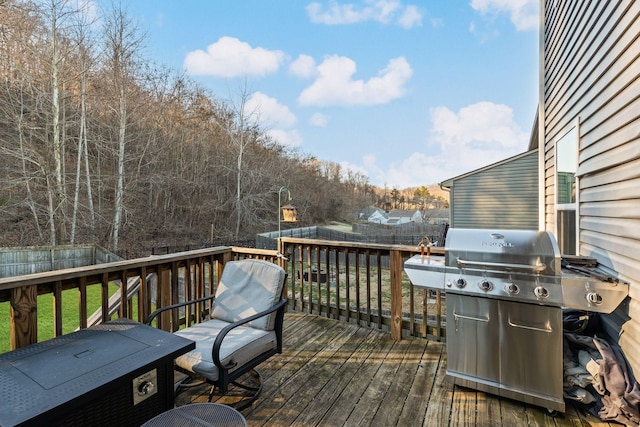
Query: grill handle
{"type": "Point", "coordinates": [531, 328]}
{"type": "Point", "coordinates": [539, 268]}
{"type": "Point", "coordinates": [457, 316]}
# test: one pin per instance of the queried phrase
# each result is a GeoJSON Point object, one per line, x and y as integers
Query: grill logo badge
{"type": "Point", "coordinates": [500, 244]}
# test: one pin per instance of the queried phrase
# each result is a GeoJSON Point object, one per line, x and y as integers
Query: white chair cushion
{"type": "Point", "coordinates": [248, 287]}
{"type": "Point", "coordinates": [240, 345]}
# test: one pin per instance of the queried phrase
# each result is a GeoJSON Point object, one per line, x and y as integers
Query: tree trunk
{"type": "Point", "coordinates": [121, 151]}
{"type": "Point", "coordinates": [60, 199]}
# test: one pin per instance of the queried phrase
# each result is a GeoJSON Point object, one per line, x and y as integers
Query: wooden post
{"type": "Point", "coordinates": [395, 265]}
{"type": "Point", "coordinates": [24, 316]}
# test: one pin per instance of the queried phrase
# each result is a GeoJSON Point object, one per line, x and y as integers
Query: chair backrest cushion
{"type": "Point", "coordinates": [248, 287]}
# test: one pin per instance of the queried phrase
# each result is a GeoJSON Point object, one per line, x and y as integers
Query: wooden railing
{"type": "Point", "coordinates": [197, 269]}
{"type": "Point", "coordinates": [362, 283]}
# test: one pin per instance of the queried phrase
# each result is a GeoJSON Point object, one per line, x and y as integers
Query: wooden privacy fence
{"type": "Point", "coordinates": [363, 283]}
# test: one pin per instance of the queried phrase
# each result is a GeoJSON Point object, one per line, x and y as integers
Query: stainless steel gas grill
{"type": "Point", "coordinates": [505, 293]}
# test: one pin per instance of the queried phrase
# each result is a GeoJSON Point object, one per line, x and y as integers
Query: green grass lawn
{"type": "Point", "coordinates": [70, 313]}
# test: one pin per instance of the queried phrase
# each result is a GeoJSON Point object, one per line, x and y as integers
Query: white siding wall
{"type": "Point", "coordinates": [590, 74]}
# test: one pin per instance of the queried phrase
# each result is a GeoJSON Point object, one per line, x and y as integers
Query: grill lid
{"type": "Point", "coordinates": [525, 251]}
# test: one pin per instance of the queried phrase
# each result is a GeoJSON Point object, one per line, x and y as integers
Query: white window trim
{"type": "Point", "coordinates": [576, 204]}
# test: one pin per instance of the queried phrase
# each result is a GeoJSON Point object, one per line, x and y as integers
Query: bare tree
{"type": "Point", "coordinates": [124, 43]}
{"type": "Point", "coordinates": [85, 60]}
{"type": "Point", "coordinates": [241, 127]}
{"type": "Point", "coordinates": [57, 12]}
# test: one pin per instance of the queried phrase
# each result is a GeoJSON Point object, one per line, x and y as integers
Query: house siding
{"type": "Point", "coordinates": [504, 195]}
{"type": "Point", "coordinates": [590, 76]}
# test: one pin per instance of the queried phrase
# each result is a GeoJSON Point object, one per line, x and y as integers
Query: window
{"type": "Point", "coordinates": [566, 192]}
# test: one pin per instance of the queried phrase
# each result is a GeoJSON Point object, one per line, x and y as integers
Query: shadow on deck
{"type": "Point", "coordinates": [333, 373]}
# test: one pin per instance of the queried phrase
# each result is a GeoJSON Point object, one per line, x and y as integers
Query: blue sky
{"type": "Point", "coordinates": [408, 93]}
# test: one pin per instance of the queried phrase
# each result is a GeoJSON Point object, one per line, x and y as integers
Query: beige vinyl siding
{"type": "Point", "coordinates": [590, 74]}
{"type": "Point", "coordinates": [504, 195]}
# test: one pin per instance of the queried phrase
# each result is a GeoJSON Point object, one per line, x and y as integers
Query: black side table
{"type": "Point", "coordinates": [199, 414]}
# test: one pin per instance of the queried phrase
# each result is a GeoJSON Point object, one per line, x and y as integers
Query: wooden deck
{"type": "Point", "coordinates": [333, 373]}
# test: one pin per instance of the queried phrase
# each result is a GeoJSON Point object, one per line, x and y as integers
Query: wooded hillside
{"type": "Point", "coordinates": [100, 145]}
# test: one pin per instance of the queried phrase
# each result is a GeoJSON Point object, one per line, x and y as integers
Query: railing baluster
{"type": "Point", "coordinates": [142, 294]}
{"type": "Point", "coordinates": [347, 286]}
{"type": "Point", "coordinates": [358, 309]}
{"type": "Point", "coordinates": [379, 259]}
{"type": "Point", "coordinates": [124, 302]}
{"type": "Point", "coordinates": [337, 312]}
{"type": "Point", "coordinates": [327, 254]}
{"type": "Point", "coordinates": [368, 252]}
{"type": "Point", "coordinates": [82, 303]}
{"type": "Point", "coordinates": [105, 297]}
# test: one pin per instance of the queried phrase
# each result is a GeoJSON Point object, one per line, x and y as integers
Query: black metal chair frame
{"type": "Point", "coordinates": [225, 377]}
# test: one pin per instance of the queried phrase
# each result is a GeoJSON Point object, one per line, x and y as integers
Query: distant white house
{"type": "Point", "coordinates": [378, 217]}
{"type": "Point", "coordinates": [373, 214]}
{"type": "Point", "coordinates": [393, 217]}
{"type": "Point", "coordinates": [403, 216]}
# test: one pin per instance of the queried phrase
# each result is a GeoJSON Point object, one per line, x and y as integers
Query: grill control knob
{"type": "Point", "coordinates": [513, 289]}
{"type": "Point", "coordinates": [461, 283]}
{"type": "Point", "coordinates": [485, 285]}
{"type": "Point", "coordinates": [541, 292]}
{"type": "Point", "coordinates": [594, 298]}
{"type": "Point", "coordinates": [145, 387]}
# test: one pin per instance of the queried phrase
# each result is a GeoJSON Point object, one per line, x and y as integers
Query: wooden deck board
{"type": "Point", "coordinates": [390, 408]}
{"type": "Point", "coordinates": [422, 384]}
{"type": "Point", "coordinates": [371, 402]}
{"type": "Point", "coordinates": [354, 390]}
{"type": "Point", "coordinates": [334, 373]}
{"type": "Point", "coordinates": [330, 396]}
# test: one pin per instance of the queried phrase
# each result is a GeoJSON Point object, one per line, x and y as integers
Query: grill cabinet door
{"type": "Point", "coordinates": [531, 352]}
{"type": "Point", "coordinates": [473, 337]}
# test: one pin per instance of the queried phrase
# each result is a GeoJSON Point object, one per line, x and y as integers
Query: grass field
{"type": "Point", "coordinates": [70, 313]}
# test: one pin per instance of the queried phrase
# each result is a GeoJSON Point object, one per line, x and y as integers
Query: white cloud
{"type": "Point", "coordinates": [269, 111]}
{"type": "Point", "coordinates": [335, 84]}
{"type": "Point", "coordinates": [319, 120]}
{"type": "Point", "coordinates": [288, 138]}
{"type": "Point", "coordinates": [383, 11]}
{"type": "Point", "coordinates": [304, 66]}
{"type": "Point", "coordinates": [458, 142]}
{"type": "Point", "coordinates": [410, 17]}
{"type": "Point", "coordinates": [230, 57]}
{"type": "Point", "coordinates": [524, 14]}
{"type": "Point", "coordinates": [277, 117]}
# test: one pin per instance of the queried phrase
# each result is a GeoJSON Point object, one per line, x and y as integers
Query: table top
{"type": "Point", "coordinates": [36, 378]}
{"type": "Point", "coordinates": [199, 414]}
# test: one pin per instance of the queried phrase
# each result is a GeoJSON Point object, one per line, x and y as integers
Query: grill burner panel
{"type": "Point", "coordinates": [507, 286]}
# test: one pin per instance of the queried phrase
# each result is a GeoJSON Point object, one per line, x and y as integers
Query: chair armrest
{"type": "Point", "coordinates": [215, 351]}
{"type": "Point", "coordinates": [174, 306]}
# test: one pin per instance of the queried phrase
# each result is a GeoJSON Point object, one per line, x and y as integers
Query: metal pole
{"type": "Point", "coordinates": [280, 212]}
{"type": "Point", "coordinates": [280, 209]}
